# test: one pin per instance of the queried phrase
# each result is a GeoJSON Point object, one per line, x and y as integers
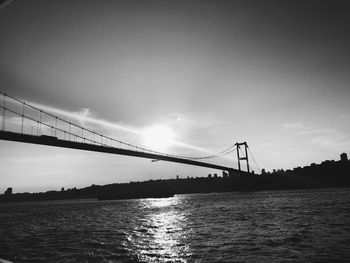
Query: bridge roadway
{"type": "Point", "coordinates": [53, 141]}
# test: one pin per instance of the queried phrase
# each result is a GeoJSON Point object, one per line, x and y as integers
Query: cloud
{"type": "Point", "coordinates": [84, 116]}
{"type": "Point", "coordinates": [5, 3]}
{"type": "Point", "coordinates": [328, 138]}
{"type": "Point", "coordinates": [334, 141]}
{"type": "Point", "coordinates": [12, 120]}
{"type": "Point", "coordinates": [315, 131]}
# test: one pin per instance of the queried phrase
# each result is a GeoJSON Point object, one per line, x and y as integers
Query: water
{"type": "Point", "coordinates": [278, 226]}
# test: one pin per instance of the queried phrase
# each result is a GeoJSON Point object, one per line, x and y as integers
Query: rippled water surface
{"type": "Point", "coordinates": [279, 226]}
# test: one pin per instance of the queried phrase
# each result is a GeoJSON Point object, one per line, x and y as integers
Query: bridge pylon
{"type": "Point", "coordinates": [242, 158]}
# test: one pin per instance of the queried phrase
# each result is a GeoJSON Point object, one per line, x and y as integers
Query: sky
{"type": "Point", "coordinates": [273, 73]}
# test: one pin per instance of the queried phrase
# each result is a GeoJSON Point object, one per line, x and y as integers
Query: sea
{"type": "Point", "coordinates": [264, 226]}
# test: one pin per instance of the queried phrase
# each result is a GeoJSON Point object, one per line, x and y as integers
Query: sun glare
{"type": "Point", "coordinates": [158, 137]}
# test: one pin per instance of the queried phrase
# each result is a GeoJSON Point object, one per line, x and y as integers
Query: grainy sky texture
{"type": "Point", "coordinates": [273, 73]}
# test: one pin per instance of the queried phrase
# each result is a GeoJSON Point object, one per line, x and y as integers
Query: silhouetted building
{"type": "Point", "coordinates": [224, 174]}
{"type": "Point", "coordinates": [344, 157]}
{"type": "Point", "coordinates": [8, 191]}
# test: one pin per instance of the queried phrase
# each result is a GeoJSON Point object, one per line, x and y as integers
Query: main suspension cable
{"type": "Point", "coordinates": [84, 132]}
{"type": "Point", "coordinates": [251, 154]}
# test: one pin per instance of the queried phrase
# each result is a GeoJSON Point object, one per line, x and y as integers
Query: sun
{"type": "Point", "coordinates": [158, 137]}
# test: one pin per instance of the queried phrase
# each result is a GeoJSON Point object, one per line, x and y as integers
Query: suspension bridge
{"type": "Point", "coordinates": [24, 122]}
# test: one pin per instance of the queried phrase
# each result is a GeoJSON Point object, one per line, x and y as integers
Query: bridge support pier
{"type": "Point", "coordinates": [245, 157]}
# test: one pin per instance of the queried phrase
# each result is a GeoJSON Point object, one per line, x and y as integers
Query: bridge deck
{"type": "Point", "coordinates": [52, 141]}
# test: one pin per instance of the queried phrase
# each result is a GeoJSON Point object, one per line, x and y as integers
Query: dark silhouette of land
{"type": "Point", "coordinates": [328, 174]}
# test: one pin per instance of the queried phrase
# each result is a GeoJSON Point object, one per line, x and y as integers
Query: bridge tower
{"type": "Point", "coordinates": [242, 158]}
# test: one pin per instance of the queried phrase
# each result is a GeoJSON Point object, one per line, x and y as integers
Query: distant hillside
{"type": "Point", "coordinates": [326, 174]}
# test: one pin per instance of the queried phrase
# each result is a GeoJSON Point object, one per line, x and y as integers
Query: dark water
{"type": "Point", "coordinates": [279, 226]}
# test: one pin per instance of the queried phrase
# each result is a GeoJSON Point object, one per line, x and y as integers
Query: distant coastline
{"type": "Point", "coordinates": [328, 174]}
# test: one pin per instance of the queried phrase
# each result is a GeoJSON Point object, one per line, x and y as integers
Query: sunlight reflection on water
{"type": "Point", "coordinates": [160, 235]}
{"type": "Point", "coordinates": [279, 226]}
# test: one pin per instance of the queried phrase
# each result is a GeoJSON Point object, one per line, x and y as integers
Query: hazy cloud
{"type": "Point", "coordinates": [292, 125]}
{"type": "Point", "coordinates": [312, 131]}
{"type": "Point", "coordinates": [345, 116]}
{"type": "Point", "coordinates": [329, 138]}
{"type": "Point", "coordinates": [335, 141]}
